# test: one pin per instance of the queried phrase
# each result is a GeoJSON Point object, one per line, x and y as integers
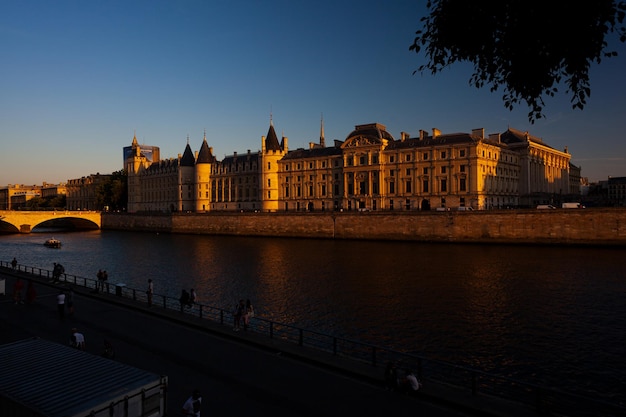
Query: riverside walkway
{"type": "Point", "coordinates": [238, 373]}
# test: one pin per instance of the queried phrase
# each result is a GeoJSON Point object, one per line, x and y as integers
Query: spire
{"type": "Point", "coordinates": [271, 140]}
{"type": "Point", "coordinates": [322, 140]}
{"type": "Point", "coordinates": [135, 138]}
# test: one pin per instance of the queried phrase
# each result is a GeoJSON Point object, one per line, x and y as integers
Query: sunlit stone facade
{"type": "Point", "coordinates": [368, 171]}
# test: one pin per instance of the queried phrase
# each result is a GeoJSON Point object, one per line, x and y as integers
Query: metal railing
{"type": "Point", "coordinates": [541, 399]}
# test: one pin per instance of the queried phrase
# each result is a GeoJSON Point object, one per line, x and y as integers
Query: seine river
{"type": "Point", "coordinates": [553, 316]}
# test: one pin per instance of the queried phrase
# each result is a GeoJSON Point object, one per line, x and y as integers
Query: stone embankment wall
{"type": "Point", "coordinates": [561, 226]}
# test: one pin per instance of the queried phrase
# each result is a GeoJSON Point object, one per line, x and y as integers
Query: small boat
{"type": "Point", "coordinates": [52, 243]}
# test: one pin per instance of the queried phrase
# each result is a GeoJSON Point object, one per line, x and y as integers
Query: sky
{"type": "Point", "coordinates": [78, 79]}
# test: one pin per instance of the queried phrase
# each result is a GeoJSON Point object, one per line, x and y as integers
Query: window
{"type": "Point", "coordinates": [408, 171]}
{"type": "Point", "coordinates": [392, 158]}
{"type": "Point", "coordinates": [443, 155]}
{"type": "Point", "coordinates": [408, 157]}
{"type": "Point", "coordinates": [425, 186]}
{"type": "Point", "coordinates": [269, 166]}
{"type": "Point", "coordinates": [269, 183]}
{"type": "Point", "coordinates": [408, 186]}
{"type": "Point", "coordinates": [392, 172]}
{"type": "Point", "coordinates": [425, 156]}
{"type": "Point", "coordinates": [462, 185]}
{"type": "Point", "coordinates": [462, 168]}
{"type": "Point", "coordinates": [462, 153]}
{"type": "Point", "coordinates": [374, 159]}
{"type": "Point", "coordinates": [425, 171]}
{"type": "Point", "coordinates": [323, 190]}
{"type": "Point", "coordinates": [444, 186]}
{"type": "Point", "coordinates": [310, 190]}
{"type": "Point", "coordinates": [392, 187]}
{"type": "Point", "coordinates": [444, 170]}
{"type": "Point", "coordinates": [362, 160]}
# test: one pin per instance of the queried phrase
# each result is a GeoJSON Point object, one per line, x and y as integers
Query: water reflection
{"type": "Point", "coordinates": [542, 314]}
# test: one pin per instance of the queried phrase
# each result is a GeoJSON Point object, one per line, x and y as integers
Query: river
{"type": "Point", "coordinates": [546, 315]}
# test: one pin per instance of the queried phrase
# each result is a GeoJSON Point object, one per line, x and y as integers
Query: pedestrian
{"type": "Point", "coordinates": [412, 383]}
{"type": "Point", "coordinates": [150, 291]}
{"type": "Point", "coordinates": [105, 278]}
{"type": "Point", "coordinates": [192, 297]}
{"type": "Point", "coordinates": [77, 339]}
{"type": "Point", "coordinates": [238, 313]}
{"type": "Point", "coordinates": [192, 406]}
{"type": "Point", "coordinates": [247, 314]}
{"type": "Point", "coordinates": [99, 284]}
{"type": "Point", "coordinates": [61, 304]}
{"type": "Point", "coordinates": [69, 300]}
{"type": "Point", "coordinates": [60, 271]}
{"type": "Point", "coordinates": [17, 291]}
{"type": "Point", "coordinates": [55, 272]}
{"type": "Point", "coordinates": [31, 293]}
{"type": "Point", "coordinates": [14, 263]}
{"type": "Point", "coordinates": [184, 299]}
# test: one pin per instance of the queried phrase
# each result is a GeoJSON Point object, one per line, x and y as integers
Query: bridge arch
{"type": "Point", "coordinates": [26, 221]}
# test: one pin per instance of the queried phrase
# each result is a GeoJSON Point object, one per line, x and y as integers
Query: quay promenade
{"type": "Point", "coordinates": [237, 372]}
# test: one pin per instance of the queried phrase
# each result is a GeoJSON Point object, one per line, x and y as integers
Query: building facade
{"type": "Point", "coordinates": [368, 171]}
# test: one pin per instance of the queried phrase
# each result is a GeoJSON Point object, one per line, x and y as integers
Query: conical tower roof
{"type": "Point", "coordinates": [188, 159]}
{"type": "Point", "coordinates": [205, 156]}
{"type": "Point", "coordinates": [271, 140]}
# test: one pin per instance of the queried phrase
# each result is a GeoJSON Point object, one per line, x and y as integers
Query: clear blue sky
{"type": "Point", "coordinates": [79, 78]}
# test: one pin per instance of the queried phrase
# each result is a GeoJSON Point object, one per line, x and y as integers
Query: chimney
{"type": "Point", "coordinates": [423, 134]}
{"type": "Point", "coordinates": [495, 137]}
{"type": "Point", "coordinates": [404, 136]}
{"type": "Point", "coordinates": [479, 132]}
{"type": "Point", "coordinates": [436, 132]}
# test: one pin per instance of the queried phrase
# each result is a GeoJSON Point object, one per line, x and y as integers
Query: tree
{"type": "Point", "coordinates": [527, 47]}
{"type": "Point", "coordinates": [113, 192]}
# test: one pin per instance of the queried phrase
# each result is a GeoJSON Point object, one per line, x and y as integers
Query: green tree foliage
{"type": "Point", "coordinates": [526, 47]}
{"type": "Point", "coordinates": [46, 203]}
{"type": "Point", "coordinates": [112, 193]}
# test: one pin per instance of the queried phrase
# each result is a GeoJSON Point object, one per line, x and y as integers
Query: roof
{"type": "Point", "coordinates": [37, 373]}
{"type": "Point", "coordinates": [447, 139]}
{"type": "Point", "coordinates": [312, 153]}
{"type": "Point", "coordinates": [271, 140]}
{"type": "Point", "coordinates": [368, 134]}
{"type": "Point", "coordinates": [205, 156]}
{"type": "Point", "coordinates": [188, 160]}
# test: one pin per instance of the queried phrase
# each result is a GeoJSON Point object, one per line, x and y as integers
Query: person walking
{"type": "Point", "coordinates": [105, 280]}
{"type": "Point", "coordinates": [77, 339]}
{"type": "Point", "coordinates": [99, 284]}
{"type": "Point", "coordinates": [61, 304]}
{"type": "Point", "coordinates": [184, 299]}
{"type": "Point", "coordinates": [69, 300]}
{"type": "Point", "coordinates": [247, 314]}
{"type": "Point", "coordinates": [150, 291]}
{"type": "Point", "coordinates": [238, 314]}
{"type": "Point", "coordinates": [14, 263]}
{"type": "Point", "coordinates": [192, 406]}
{"type": "Point", "coordinates": [192, 297]}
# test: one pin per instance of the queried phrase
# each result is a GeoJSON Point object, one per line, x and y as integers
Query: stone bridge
{"type": "Point", "coordinates": [24, 221]}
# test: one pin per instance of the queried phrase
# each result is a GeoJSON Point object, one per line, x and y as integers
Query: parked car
{"type": "Point", "coordinates": [545, 207]}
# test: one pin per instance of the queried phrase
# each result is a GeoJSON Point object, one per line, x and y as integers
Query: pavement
{"type": "Point", "coordinates": [238, 373]}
